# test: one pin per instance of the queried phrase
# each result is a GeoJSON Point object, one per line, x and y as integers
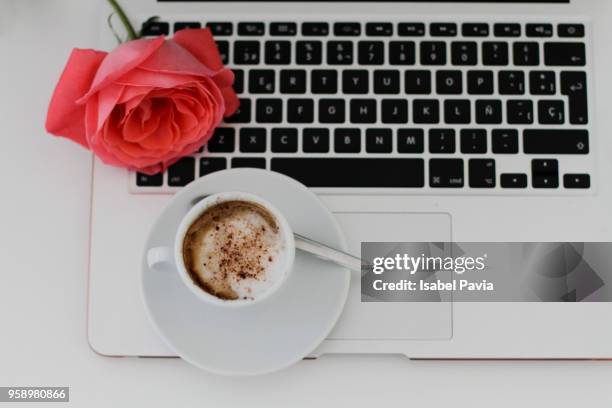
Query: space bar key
{"type": "Point", "coordinates": [353, 172]}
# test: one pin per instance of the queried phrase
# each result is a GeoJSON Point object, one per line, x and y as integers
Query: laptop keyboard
{"type": "Point", "coordinates": [351, 106]}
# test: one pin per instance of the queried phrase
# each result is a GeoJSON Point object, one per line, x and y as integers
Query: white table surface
{"type": "Point", "coordinates": [44, 213]}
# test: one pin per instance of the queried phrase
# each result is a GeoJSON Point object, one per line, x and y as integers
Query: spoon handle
{"type": "Point", "coordinates": [326, 252]}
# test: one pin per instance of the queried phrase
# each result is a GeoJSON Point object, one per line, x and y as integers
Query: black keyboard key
{"type": "Point", "coordinates": [441, 141]}
{"type": "Point", "coordinates": [379, 29]}
{"type": "Point", "coordinates": [222, 141]}
{"type": "Point", "coordinates": [211, 164]}
{"type": "Point", "coordinates": [426, 111]}
{"type": "Point", "coordinates": [246, 52]}
{"type": "Point", "coordinates": [145, 180]}
{"type": "Point", "coordinates": [433, 53]}
{"type": "Point", "coordinates": [539, 30]}
{"type": "Point", "coordinates": [495, 53]}
{"type": "Point", "coordinates": [504, 141]}
{"type": "Point", "coordinates": [444, 173]}
{"type": "Point", "coordinates": [371, 52]}
{"type": "Point", "coordinates": [331, 110]}
{"type": "Point", "coordinates": [507, 30]}
{"type": "Point", "coordinates": [223, 47]}
{"type": "Point", "coordinates": [488, 111]}
{"type": "Point", "coordinates": [253, 140]}
{"type": "Point", "coordinates": [571, 30]}
{"type": "Point", "coordinates": [251, 29]}
{"type": "Point", "coordinates": [519, 111]}
{"type": "Point", "coordinates": [417, 82]}
{"type": "Point", "coordinates": [475, 30]}
{"type": "Point", "coordinates": [411, 29]}
{"type": "Point", "coordinates": [410, 141]}
{"type": "Point", "coordinates": [457, 111]}
{"type": "Point", "coordinates": [551, 112]}
{"type": "Point", "coordinates": [545, 166]}
{"type": "Point", "coordinates": [473, 141]}
{"type": "Point", "coordinates": [220, 29]}
{"type": "Point", "coordinates": [511, 82]}
{"type": "Point", "coordinates": [155, 28]}
{"type": "Point", "coordinates": [347, 140]}
{"type": "Point", "coordinates": [443, 29]}
{"type": "Point", "coordinates": [544, 173]}
{"type": "Point", "coordinates": [182, 172]}
{"type": "Point", "coordinates": [480, 82]}
{"type": "Point", "coordinates": [324, 81]}
{"type": "Point", "coordinates": [574, 85]}
{"type": "Point", "coordinates": [238, 80]}
{"type": "Point", "coordinates": [555, 141]}
{"type": "Point", "coordinates": [309, 52]}
{"type": "Point", "coordinates": [514, 180]}
{"type": "Point", "coordinates": [564, 54]}
{"type": "Point", "coordinates": [278, 52]}
{"type": "Point", "coordinates": [449, 82]}
{"type": "Point", "coordinates": [401, 53]}
{"type": "Point", "coordinates": [315, 140]}
{"type": "Point", "coordinates": [379, 141]}
{"type": "Point", "coordinates": [363, 111]}
{"type": "Point", "coordinates": [386, 82]}
{"type": "Point", "coordinates": [251, 162]}
{"type": "Point", "coordinates": [293, 81]}
{"type": "Point", "coordinates": [284, 140]}
{"type": "Point", "coordinates": [542, 83]}
{"type": "Point", "coordinates": [315, 29]}
{"type": "Point", "coordinates": [482, 173]}
{"type": "Point", "coordinates": [394, 111]}
{"type": "Point", "coordinates": [576, 181]}
{"type": "Point", "coordinates": [464, 53]}
{"type": "Point", "coordinates": [339, 52]}
{"type": "Point", "coordinates": [347, 29]}
{"type": "Point", "coordinates": [242, 114]}
{"type": "Point", "coordinates": [184, 25]}
{"type": "Point", "coordinates": [261, 81]}
{"type": "Point", "coordinates": [526, 53]}
{"type": "Point", "coordinates": [353, 172]}
{"type": "Point", "coordinates": [269, 111]}
{"type": "Point", "coordinates": [355, 82]}
{"type": "Point", "coordinates": [300, 111]}
{"type": "Point", "coordinates": [283, 29]}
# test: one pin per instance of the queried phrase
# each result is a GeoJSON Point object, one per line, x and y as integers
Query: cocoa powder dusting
{"type": "Point", "coordinates": [237, 246]}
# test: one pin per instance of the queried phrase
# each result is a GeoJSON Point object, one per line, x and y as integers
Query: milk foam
{"type": "Point", "coordinates": [243, 253]}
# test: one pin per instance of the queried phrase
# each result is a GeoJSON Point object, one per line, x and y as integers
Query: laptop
{"type": "Point", "coordinates": [412, 121]}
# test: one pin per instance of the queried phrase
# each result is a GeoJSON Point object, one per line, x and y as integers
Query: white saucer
{"type": "Point", "coordinates": [267, 336]}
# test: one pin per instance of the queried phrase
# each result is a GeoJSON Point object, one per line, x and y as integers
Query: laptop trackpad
{"type": "Point", "coordinates": [392, 321]}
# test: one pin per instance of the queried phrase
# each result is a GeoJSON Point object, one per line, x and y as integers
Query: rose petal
{"type": "Point", "coordinates": [121, 60]}
{"type": "Point", "coordinates": [201, 44]}
{"type": "Point", "coordinates": [65, 117]}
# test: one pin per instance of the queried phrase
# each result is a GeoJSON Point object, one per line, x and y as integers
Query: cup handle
{"type": "Point", "coordinates": [161, 259]}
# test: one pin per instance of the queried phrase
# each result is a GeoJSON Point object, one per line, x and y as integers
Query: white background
{"type": "Point", "coordinates": [44, 210]}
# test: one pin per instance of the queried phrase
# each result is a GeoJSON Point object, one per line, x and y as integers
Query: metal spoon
{"type": "Point", "coordinates": [326, 252]}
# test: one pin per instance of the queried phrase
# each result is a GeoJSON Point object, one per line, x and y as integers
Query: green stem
{"type": "Point", "coordinates": [131, 33]}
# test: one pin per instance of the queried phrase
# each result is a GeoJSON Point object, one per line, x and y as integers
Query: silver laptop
{"type": "Point", "coordinates": [413, 121]}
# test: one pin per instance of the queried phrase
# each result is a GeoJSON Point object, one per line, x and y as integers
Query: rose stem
{"type": "Point", "coordinates": [131, 33]}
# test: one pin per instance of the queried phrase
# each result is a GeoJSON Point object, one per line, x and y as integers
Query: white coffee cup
{"type": "Point", "coordinates": [165, 259]}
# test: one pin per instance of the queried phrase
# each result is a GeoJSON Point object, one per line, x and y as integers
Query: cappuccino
{"type": "Point", "coordinates": [235, 250]}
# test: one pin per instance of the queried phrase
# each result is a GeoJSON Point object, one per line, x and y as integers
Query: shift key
{"type": "Point", "coordinates": [556, 141]}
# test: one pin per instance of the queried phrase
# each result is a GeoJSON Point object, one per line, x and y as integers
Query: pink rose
{"type": "Point", "coordinates": [147, 103]}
